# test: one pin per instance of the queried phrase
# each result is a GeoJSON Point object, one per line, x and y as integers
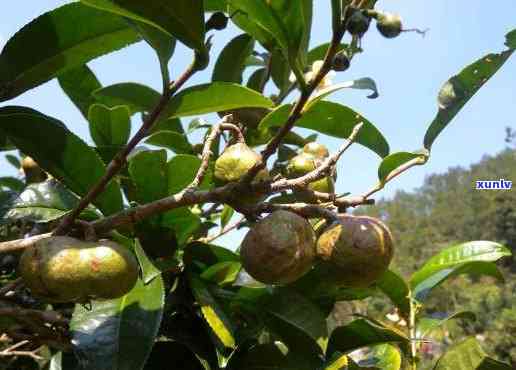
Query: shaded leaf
{"type": "Point", "coordinates": [365, 83]}
{"type": "Point", "coordinates": [212, 313]}
{"type": "Point", "coordinates": [226, 215]}
{"type": "Point", "coordinates": [231, 61]}
{"type": "Point", "coordinates": [183, 19]}
{"type": "Point", "coordinates": [319, 52]}
{"type": "Point", "coordinates": [59, 152]}
{"type": "Point", "coordinates": [145, 165]}
{"type": "Point", "coordinates": [334, 120]}
{"type": "Point", "coordinates": [182, 169]}
{"type": "Point", "coordinates": [468, 355]}
{"type": "Point", "coordinates": [45, 202]}
{"type": "Point", "coordinates": [256, 79]}
{"type": "Point", "coordinates": [398, 291]}
{"type": "Point", "coordinates": [12, 183]}
{"type": "Point", "coordinates": [119, 333]}
{"type": "Point", "coordinates": [174, 141]}
{"type": "Point", "coordinates": [13, 160]}
{"type": "Point", "coordinates": [510, 39]}
{"type": "Point", "coordinates": [79, 84]}
{"type": "Point", "coordinates": [474, 257]}
{"type": "Point", "coordinates": [207, 254]}
{"type": "Point", "coordinates": [383, 356]}
{"type": "Point", "coordinates": [139, 98]}
{"type": "Point", "coordinates": [459, 89]}
{"type": "Point", "coordinates": [395, 160]}
{"type": "Point", "coordinates": [109, 126]}
{"type": "Point", "coordinates": [149, 270]}
{"type": "Point", "coordinates": [222, 273]}
{"type": "Point", "coordinates": [362, 333]}
{"type": "Point", "coordinates": [426, 325]}
{"type": "Point", "coordinates": [280, 71]}
{"type": "Point", "coordinates": [214, 97]}
{"type": "Point", "coordinates": [73, 34]}
{"type": "Point", "coordinates": [183, 222]}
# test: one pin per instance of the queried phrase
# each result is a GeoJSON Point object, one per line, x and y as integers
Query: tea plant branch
{"type": "Point", "coordinates": [20, 244]}
{"type": "Point", "coordinates": [224, 231]}
{"type": "Point", "coordinates": [121, 157]}
{"type": "Point", "coordinates": [302, 209]}
{"type": "Point", "coordinates": [13, 351]}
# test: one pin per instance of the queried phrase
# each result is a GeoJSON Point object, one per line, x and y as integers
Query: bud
{"type": "Point", "coordinates": [341, 62]}
{"type": "Point", "coordinates": [358, 23]}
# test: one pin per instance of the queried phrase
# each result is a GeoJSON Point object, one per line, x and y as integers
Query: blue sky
{"type": "Point", "coordinates": [408, 70]}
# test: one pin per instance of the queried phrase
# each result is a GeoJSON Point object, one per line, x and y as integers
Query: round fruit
{"type": "Point", "coordinates": [33, 173]}
{"type": "Point", "coordinates": [235, 162]}
{"type": "Point", "coordinates": [279, 249]}
{"type": "Point", "coordinates": [389, 25]}
{"type": "Point", "coordinates": [358, 23]}
{"type": "Point", "coordinates": [341, 62]}
{"type": "Point", "coordinates": [316, 149]}
{"type": "Point", "coordinates": [218, 21]}
{"type": "Point", "coordinates": [300, 165]}
{"type": "Point", "coordinates": [64, 269]}
{"type": "Point", "coordinates": [356, 251]}
{"type": "Point", "coordinates": [304, 163]}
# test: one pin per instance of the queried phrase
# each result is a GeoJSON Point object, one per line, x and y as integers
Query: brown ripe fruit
{"type": "Point", "coordinates": [279, 249]}
{"type": "Point", "coordinates": [64, 269]}
{"type": "Point", "coordinates": [33, 173]}
{"type": "Point", "coordinates": [356, 251]}
{"type": "Point", "coordinates": [316, 149]}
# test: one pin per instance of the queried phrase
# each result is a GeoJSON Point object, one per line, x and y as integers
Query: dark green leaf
{"type": "Point", "coordinates": [212, 313]}
{"type": "Point", "coordinates": [336, 15]}
{"type": "Point", "coordinates": [510, 39]}
{"type": "Point", "coordinates": [13, 160]}
{"type": "Point", "coordinates": [162, 43]}
{"type": "Point", "coordinates": [183, 19]}
{"type": "Point", "coordinates": [79, 84]}
{"type": "Point", "coordinates": [226, 215]}
{"type": "Point", "coordinates": [468, 355]}
{"type": "Point", "coordinates": [280, 71]}
{"type": "Point", "coordinates": [256, 79]}
{"type": "Point", "coordinates": [109, 126]}
{"type": "Point", "coordinates": [214, 97]}
{"type": "Point", "coordinates": [174, 141]}
{"type": "Point", "coordinates": [149, 271]}
{"type": "Point", "coordinates": [46, 201]}
{"type": "Point", "coordinates": [73, 35]}
{"type": "Point", "coordinates": [183, 222]}
{"type": "Point", "coordinates": [139, 98]}
{"type": "Point", "coordinates": [182, 170]}
{"type": "Point", "coordinates": [222, 273]}
{"type": "Point", "coordinates": [12, 183]}
{"type": "Point", "coordinates": [362, 333]}
{"type": "Point", "coordinates": [301, 321]}
{"type": "Point", "coordinates": [59, 152]}
{"type": "Point", "coordinates": [337, 361]}
{"type": "Point", "coordinates": [395, 287]}
{"type": "Point", "coordinates": [208, 254]}
{"type": "Point", "coordinates": [119, 333]}
{"type": "Point", "coordinates": [319, 52]}
{"type": "Point", "coordinates": [231, 61]}
{"type": "Point", "coordinates": [147, 165]}
{"type": "Point", "coordinates": [331, 119]}
{"type": "Point", "coordinates": [395, 160]}
{"type": "Point", "coordinates": [426, 325]}
{"type": "Point", "coordinates": [457, 91]}
{"type": "Point", "coordinates": [474, 257]}
{"type": "Point", "coordinates": [383, 356]}
{"type": "Point", "coordinates": [171, 124]}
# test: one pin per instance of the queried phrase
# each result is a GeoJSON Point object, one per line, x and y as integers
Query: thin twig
{"type": "Point", "coordinates": [21, 244]}
{"type": "Point", "coordinates": [224, 231]}
{"type": "Point", "coordinates": [11, 351]}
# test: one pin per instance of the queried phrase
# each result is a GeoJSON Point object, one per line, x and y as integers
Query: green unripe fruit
{"type": "Point", "coordinates": [33, 173]}
{"type": "Point", "coordinates": [235, 162]}
{"type": "Point", "coordinates": [389, 25]}
{"type": "Point", "coordinates": [279, 249]}
{"type": "Point", "coordinates": [316, 149]}
{"type": "Point", "coordinates": [300, 165]}
{"type": "Point", "coordinates": [358, 23]}
{"type": "Point", "coordinates": [64, 269]}
{"type": "Point", "coordinates": [341, 62]}
{"type": "Point", "coordinates": [356, 251]}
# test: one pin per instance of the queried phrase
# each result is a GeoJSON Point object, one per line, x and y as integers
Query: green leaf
{"type": "Point", "coordinates": [183, 222]}
{"type": "Point", "coordinates": [365, 83]}
{"type": "Point", "coordinates": [146, 165]}
{"type": "Point", "coordinates": [109, 126]}
{"type": "Point", "coordinates": [459, 89]}
{"type": "Point", "coordinates": [298, 321]}
{"type": "Point", "coordinates": [45, 202]}
{"type": "Point", "coordinates": [13, 160]}
{"type": "Point", "coordinates": [468, 355]}
{"type": "Point", "coordinates": [331, 119]}
{"type": "Point", "coordinates": [214, 97]}
{"type": "Point", "coordinates": [222, 273]}
{"type": "Point", "coordinates": [182, 169]}
{"type": "Point", "coordinates": [183, 19]}
{"type": "Point", "coordinates": [362, 333]}
{"type": "Point", "coordinates": [395, 160]}
{"type": "Point", "coordinates": [79, 84]}
{"type": "Point", "coordinates": [426, 325]}
{"type": "Point", "coordinates": [59, 152]}
{"type": "Point", "coordinates": [12, 183]}
{"type": "Point", "coordinates": [336, 15]}
{"type": "Point", "coordinates": [397, 289]}
{"type": "Point", "coordinates": [510, 39]}
{"type": "Point", "coordinates": [226, 215]}
{"type": "Point", "coordinates": [212, 313]}
{"type": "Point", "coordinates": [139, 98]}
{"type": "Point", "coordinates": [174, 141]}
{"type": "Point", "coordinates": [171, 124]}
{"type": "Point", "coordinates": [231, 61]}
{"type": "Point", "coordinates": [73, 35]}
{"type": "Point", "coordinates": [149, 271]}
{"type": "Point", "coordinates": [256, 79]}
{"type": "Point", "coordinates": [319, 52]}
{"type": "Point", "coordinates": [280, 71]}
{"type": "Point", "coordinates": [119, 333]}
{"type": "Point", "coordinates": [338, 361]}
{"type": "Point", "coordinates": [383, 356]}
{"type": "Point", "coordinates": [162, 43]}
{"type": "Point", "coordinates": [207, 254]}
{"type": "Point", "coordinates": [474, 257]}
